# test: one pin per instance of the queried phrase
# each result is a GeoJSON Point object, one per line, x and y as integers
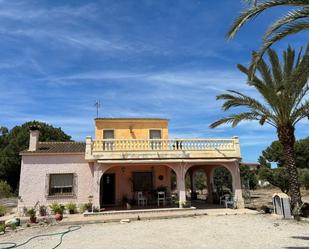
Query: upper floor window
{"type": "Point", "coordinates": [108, 134]}
{"type": "Point", "coordinates": [155, 134]}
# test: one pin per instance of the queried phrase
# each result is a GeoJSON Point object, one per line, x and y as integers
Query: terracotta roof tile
{"type": "Point", "coordinates": [59, 147]}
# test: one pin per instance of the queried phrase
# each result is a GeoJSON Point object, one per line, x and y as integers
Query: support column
{"type": "Point", "coordinates": [181, 186]}
{"type": "Point", "coordinates": [237, 186]}
{"type": "Point", "coordinates": [209, 186]}
{"type": "Point", "coordinates": [193, 187]}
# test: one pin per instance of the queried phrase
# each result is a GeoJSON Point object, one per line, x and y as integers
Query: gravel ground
{"type": "Point", "coordinates": [233, 231]}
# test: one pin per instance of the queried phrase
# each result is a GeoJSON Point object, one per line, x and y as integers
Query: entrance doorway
{"type": "Point", "coordinates": [107, 190]}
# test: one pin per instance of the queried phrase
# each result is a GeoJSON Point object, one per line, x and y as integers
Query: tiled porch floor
{"type": "Point", "coordinates": [148, 214]}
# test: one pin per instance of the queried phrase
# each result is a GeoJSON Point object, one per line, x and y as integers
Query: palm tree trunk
{"type": "Point", "coordinates": [287, 139]}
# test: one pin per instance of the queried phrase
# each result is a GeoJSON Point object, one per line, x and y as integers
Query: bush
{"type": "Point", "coordinates": [2, 228]}
{"type": "Point", "coordinates": [277, 177]}
{"type": "Point", "coordinates": [2, 210]}
{"type": "Point", "coordinates": [71, 207]}
{"type": "Point", "coordinates": [43, 210]}
{"type": "Point", "coordinates": [5, 189]}
{"type": "Point", "coordinates": [86, 207]}
{"type": "Point", "coordinates": [31, 212]}
{"type": "Point", "coordinates": [304, 178]}
{"type": "Point", "coordinates": [248, 177]}
{"type": "Point", "coordinates": [57, 208]}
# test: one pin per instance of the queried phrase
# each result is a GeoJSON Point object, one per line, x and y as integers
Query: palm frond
{"type": "Point", "coordinates": [290, 29]}
{"type": "Point", "coordinates": [242, 100]}
{"type": "Point", "coordinates": [258, 9]}
{"type": "Point", "coordinates": [290, 17]}
{"type": "Point", "coordinates": [301, 112]}
{"type": "Point", "coordinates": [235, 119]}
{"type": "Point", "coordinates": [275, 66]}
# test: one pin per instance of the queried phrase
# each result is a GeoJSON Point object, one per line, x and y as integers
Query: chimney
{"type": "Point", "coordinates": [34, 137]}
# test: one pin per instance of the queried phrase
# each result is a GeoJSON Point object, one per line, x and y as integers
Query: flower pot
{"type": "Point", "coordinates": [32, 219]}
{"type": "Point", "coordinates": [58, 216]}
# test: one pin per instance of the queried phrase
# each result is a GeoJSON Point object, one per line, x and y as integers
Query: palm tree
{"type": "Point", "coordinates": [295, 21]}
{"type": "Point", "coordinates": [284, 88]}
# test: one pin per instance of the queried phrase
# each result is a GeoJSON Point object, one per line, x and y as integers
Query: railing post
{"type": "Point", "coordinates": [88, 151]}
{"type": "Point", "coordinates": [236, 145]}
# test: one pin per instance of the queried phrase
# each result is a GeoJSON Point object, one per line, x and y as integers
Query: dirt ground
{"type": "Point", "coordinates": [263, 196]}
{"type": "Point", "coordinates": [231, 231]}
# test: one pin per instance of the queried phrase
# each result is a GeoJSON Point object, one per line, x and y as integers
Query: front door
{"type": "Point", "coordinates": [107, 190]}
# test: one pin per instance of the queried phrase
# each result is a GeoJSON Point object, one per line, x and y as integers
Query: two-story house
{"type": "Point", "coordinates": [126, 157]}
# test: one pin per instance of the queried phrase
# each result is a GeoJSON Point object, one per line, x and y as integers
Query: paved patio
{"type": "Point", "coordinates": [150, 214]}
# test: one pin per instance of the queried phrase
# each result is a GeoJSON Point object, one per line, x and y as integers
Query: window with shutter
{"type": "Point", "coordinates": [61, 184]}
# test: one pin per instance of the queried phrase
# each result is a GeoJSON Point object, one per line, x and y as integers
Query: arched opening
{"type": "Point", "coordinates": [137, 186]}
{"type": "Point", "coordinates": [196, 186]}
{"type": "Point", "coordinates": [223, 183]}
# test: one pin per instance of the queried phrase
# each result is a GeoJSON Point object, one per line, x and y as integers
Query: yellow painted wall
{"type": "Point", "coordinates": [131, 128]}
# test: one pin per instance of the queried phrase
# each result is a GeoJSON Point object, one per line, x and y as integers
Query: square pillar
{"type": "Point", "coordinates": [181, 187]}
{"type": "Point", "coordinates": [240, 203]}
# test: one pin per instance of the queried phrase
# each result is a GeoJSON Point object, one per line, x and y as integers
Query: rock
{"type": "Point", "coordinates": [15, 221]}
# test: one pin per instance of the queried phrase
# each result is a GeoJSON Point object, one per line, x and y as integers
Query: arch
{"type": "Point", "coordinates": [124, 181]}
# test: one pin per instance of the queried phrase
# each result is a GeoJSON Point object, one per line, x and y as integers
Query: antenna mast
{"type": "Point", "coordinates": [97, 105]}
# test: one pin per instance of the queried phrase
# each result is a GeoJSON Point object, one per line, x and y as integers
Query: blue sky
{"type": "Point", "coordinates": [144, 58]}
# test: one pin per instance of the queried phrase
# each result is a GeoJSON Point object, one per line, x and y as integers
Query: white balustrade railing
{"type": "Point", "coordinates": [163, 145]}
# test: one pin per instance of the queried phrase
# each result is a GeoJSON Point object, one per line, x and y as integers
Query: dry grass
{"type": "Point", "coordinates": [263, 197]}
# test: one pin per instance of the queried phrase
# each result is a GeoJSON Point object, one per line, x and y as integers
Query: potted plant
{"type": "Point", "coordinates": [125, 202]}
{"type": "Point", "coordinates": [43, 210]}
{"type": "Point", "coordinates": [32, 214]}
{"type": "Point", "coordinates": [71, 207]}
{"type": "Point", "coordinates": [57, 210]}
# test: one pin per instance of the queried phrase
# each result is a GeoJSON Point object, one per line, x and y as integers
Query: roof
{"type": "Point", "coordinates": [58, 147]}
{"type": "Point", "coordinates": [140, 119]}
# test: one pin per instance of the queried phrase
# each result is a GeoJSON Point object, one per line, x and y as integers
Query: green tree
{"type": "Point", "coordinates": [200, 180]}
{"type": "Point", "coordinates": [304, 178]}
{"type": "Point", "coordinates": [222, 181]}
{"type": "Point", "coordinates": [283, 90]}
{"type": "Point", "coordinates": [277, 177]}
{"type": "Point", "coordinates": [16, 140]}
{"type": "Point", "coordinates": [248, 177]}
{"type": "Point", "coordinates": [274, 153]}
{"type": "Point", "coordinates": [294, 21]}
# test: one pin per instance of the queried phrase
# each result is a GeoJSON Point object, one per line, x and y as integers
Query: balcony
{"type": "Point", "coordinates": [161, 148]}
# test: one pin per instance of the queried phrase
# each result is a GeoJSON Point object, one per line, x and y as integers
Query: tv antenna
{"type": "Point", "coordinates": [97, 105]}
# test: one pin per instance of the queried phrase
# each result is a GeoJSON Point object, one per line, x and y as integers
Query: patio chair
{"type": "Point", "coordinates": [161, 198]}
{"type": "Point", "coordinates": [228, 201]}
{"type": "Point", "coordinates": [141, 199]}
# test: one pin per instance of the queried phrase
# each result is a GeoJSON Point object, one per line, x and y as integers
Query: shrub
{"type": "Point", "coordinates": [13, 226]}
{"type": "Point", "coordinates": [277, 177]}
{"type": "Point", "coordinates": [57, 208]}
{"type": "Point", "coordinates": [71, 207]}
{"type": "Point", "coordinates": [31, 212]}
{"type": "Point", "coordinates": [2, 228]}
{"type": "Point", "coordinates": [2, 210]}
{"type": "Point", "coordinates": [304, 178]}
{"type": "Point", "coordinates": [5, 189]}
{"type": "Point", "coordinates": [86, 207]}
{"type": "Point", "coordinates": [43, 210]}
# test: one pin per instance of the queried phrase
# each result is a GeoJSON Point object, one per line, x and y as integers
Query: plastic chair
{"type": "Point", "coordinates": [141, 199]}
{"type": "Point", "coordinates": [161, 198]}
